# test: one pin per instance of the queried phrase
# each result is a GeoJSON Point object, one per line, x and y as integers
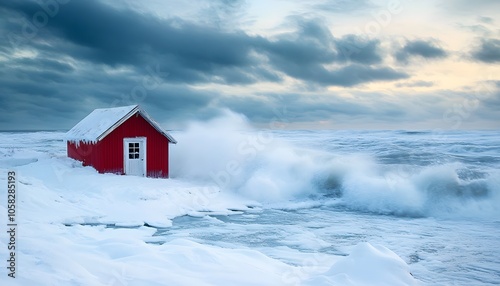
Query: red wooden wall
{"type": "Point", "coordinates": [107, 155]}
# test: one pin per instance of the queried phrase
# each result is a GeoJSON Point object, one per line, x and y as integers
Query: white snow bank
{"type": "Point", "coordinates": [84, 255]}
{"type": "Point", "coordinates": [81, 195]}
{"type": "Point", "coordinates": [71, 233]}
{"type": "Point", "coordinates": [369, 265]}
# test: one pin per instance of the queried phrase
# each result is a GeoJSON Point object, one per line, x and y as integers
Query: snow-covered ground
{"type": "Point", "coordinates": [263, 224]}
{"type": "Point", "coordinates": [77, 227]}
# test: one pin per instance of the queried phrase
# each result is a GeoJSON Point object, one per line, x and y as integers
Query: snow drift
{"type": "Point", "coordinates": [78, 227]}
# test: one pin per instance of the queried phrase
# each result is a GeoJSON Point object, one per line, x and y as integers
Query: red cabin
{"type": "Point", "coordinates": [121, 140]}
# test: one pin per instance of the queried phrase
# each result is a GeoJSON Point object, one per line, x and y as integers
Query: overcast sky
{"type": "Point", "coordinates": [317, 64]}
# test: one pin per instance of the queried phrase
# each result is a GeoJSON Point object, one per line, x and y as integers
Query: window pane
{"type": "Point", "coordinates": [134, 150]}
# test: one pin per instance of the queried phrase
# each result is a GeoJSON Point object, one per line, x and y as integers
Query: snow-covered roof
{"type": "Point", "coordinates": [101, 122]}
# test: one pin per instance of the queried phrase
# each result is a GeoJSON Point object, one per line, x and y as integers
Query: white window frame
{"type": "Point", "coordinates": [143, 141]}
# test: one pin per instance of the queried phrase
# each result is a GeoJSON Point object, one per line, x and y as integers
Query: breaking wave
{"type": "Point", "coordinates": [266, 167]}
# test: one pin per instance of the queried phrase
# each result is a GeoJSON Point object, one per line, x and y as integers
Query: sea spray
{"type": "Point", "coordinates": [396, 173]}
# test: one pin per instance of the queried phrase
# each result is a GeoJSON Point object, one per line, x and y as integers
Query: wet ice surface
{"type": "Point", "coordinates": [439, 251]}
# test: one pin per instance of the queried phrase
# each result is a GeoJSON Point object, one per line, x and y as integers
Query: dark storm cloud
{"type": "Point", "coordinates": [356, 49]}
{"type": "Point", "coordinates": [86, 54]}
{"type": "Point", "coordinates": [424, 49]}
{"type": "Point", "coordinates": [488, 51]}
{"type": "Point", "coordinates": [192, 53]}
{"type": "Point", "coordinates": [312, 43]}
{"type": "Point", "coordinates": [101, 34]}
{"type": "Point", "coordinates": [303, 55]}
{"type": "Point", "coordinates": [346, 76]}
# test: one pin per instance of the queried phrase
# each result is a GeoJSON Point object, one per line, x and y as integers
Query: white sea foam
{"type": "Point", "coordinates": [262, 166]}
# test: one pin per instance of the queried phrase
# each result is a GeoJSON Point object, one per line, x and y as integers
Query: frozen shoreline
{"type": "Point", "coordinates": [80, 227]}
{"type": "Point", "coordinates": [63, 207]}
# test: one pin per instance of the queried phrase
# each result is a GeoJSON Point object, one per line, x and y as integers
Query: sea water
{"type": "Point", "coordinates": [432, 197]}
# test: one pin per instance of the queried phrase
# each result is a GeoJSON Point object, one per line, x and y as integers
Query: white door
{"type": "Point", "coordinates": [134, 153]}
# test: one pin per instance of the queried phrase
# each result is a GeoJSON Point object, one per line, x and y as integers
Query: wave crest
{"type": "Point", "coordinates": [228, 152]}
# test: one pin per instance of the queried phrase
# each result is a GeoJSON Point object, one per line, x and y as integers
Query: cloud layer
{"type": "Point", "coordinates": [488, 51]}
{"type": "Point", "coordinates": [61, 59]}
{"type": "Point", "coordinates": [428, 50]}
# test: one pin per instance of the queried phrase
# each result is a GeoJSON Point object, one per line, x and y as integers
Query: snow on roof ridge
{"type": "Point", "coordinates": [102, 121]}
